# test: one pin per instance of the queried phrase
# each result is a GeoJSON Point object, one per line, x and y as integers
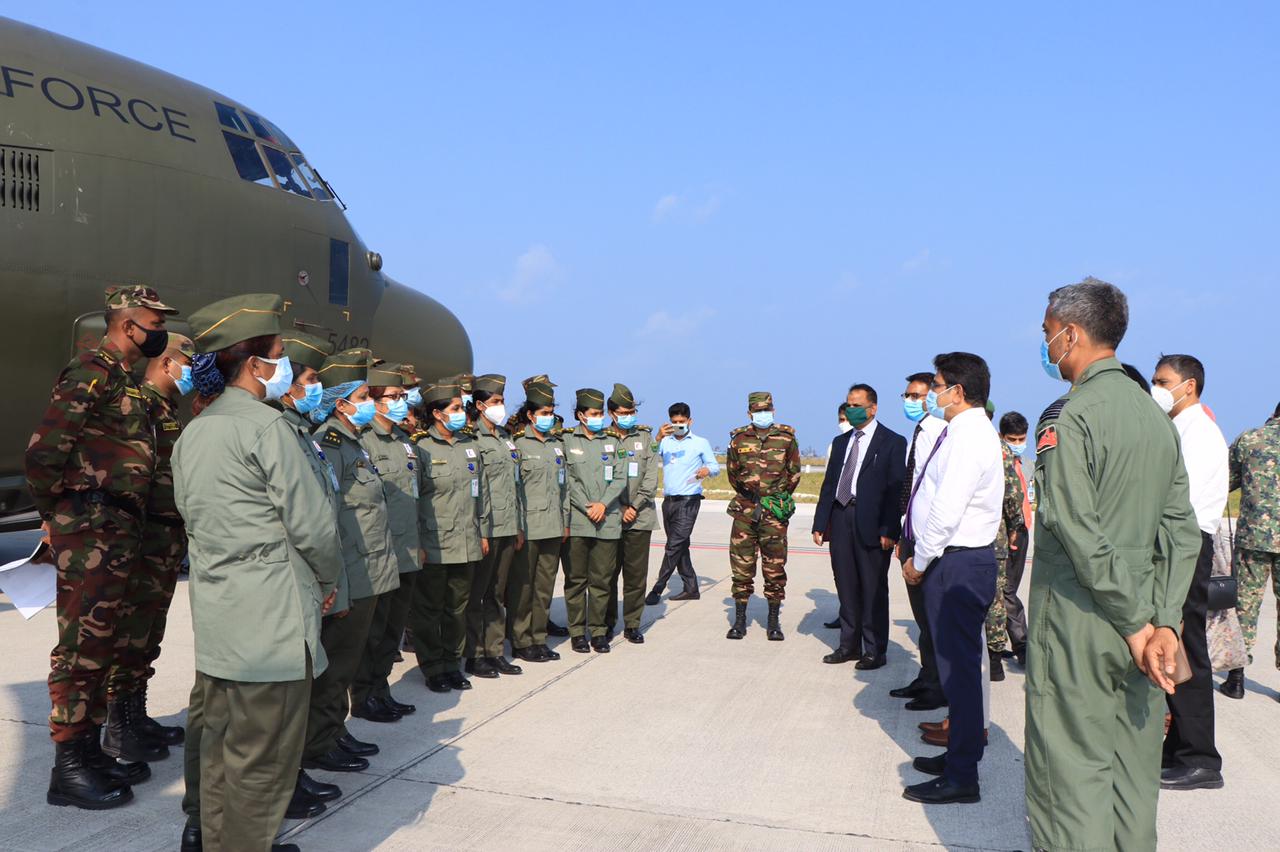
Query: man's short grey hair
{"type": "Point", "coordinates": [1101, 309]}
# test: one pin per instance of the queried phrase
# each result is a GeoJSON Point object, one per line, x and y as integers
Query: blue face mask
{"type": "Point", "coordinates": [466, 400]}
{"type": "Point", "coordinates": [281, 378]}
{"type": "Point", "coordinates": [931, 402]}
{"type": "Point", "coordinates": [414, 398]}
{"type": "Point", "coordinates": [456, 421]}
{"type": "Point", "coordinates": [1017, 449]}
{"type": "Point", "coordinates": [1051, 368]}
{"type": "Point", "coordinates": [762, 419]}
{"type": "Point", "coordinates": [314, 392]}
{"type": "Point", "coordinates": [544, 422]}
{"type": "Point", "coordinates": [363, 414]}
{"type": "Point", "coordinates": [913, 409]}
{"type": "Point", "coordinates": [595, 424]}
{"type": "Point", "coordinates": [185, 383]}
{"type": "Point", "coordinates": [627, 421]}
{"type": "Point", "coordinates": [398, 410]}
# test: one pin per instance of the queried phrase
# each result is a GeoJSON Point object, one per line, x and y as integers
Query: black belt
{"type": "Point", "coordinates": [165, 521]}
{"type": "Point", "coordinates": [958, 549]}
{"type": "Point", "coordinates": [82, 499]}
{"type": "Point", "coordinates": [683, 497]}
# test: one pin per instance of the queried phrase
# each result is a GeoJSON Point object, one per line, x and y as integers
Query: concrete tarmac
{"type": "Point", "coordinates": [689, 741]}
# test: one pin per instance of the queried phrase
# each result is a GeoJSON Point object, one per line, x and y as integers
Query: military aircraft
{"type": "Point", "coordinates": [113, 172]}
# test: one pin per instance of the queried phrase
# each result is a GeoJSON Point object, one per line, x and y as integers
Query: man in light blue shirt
{"type": "Point", "coordinates": [687, 459]}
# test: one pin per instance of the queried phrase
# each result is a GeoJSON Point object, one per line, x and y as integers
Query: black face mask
{"type": "Point", "coordinates": [154, 344]}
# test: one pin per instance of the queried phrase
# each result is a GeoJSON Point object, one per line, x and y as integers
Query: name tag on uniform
{"type": "Point", "coordinates": [639, 446]}
{"type": "Point", "coordinates": [510, 446]}
{"type": "Point", "coordinates": [557, 449]}
{"type": "Point", "coordinates": [475, 488]}
{"type": "Point", "coordinates": [608, 473]}
{"type": "Point", "coordinates": [608, 448]}
{"type": "Point", "coordinates": [171, 426]}
{"type": "Point", "coordinates": [574, 450]}
{"type": "Point", "coordinates": [633, 469]}
{"type": "Point", "coordinates": [471, 453]}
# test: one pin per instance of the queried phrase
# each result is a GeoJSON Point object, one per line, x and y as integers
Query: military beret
{"type": "Point", "coordinates": [590, 398]}
{"type": "Point", "coordinates": [182, 344]}
{"type": "Point", "coordinates": [540, 394]}
{"type": "Point", "coordinates": [541, 378]}
{"type": "Point", "coordinates": [441, 392]}
{"type": "Point", "coordinates": [491, 383]}
{"type": "Point", "coordinates": [237, 319]}
{"type": "Point", "coordinates": [759, 398]}
{"type": "Point", "coordinates": [621, 397]}
{"type": "Point", "coordinates": [385, 375]}
{"type": "Point", "coordinates": [349, 366]}
{"type": "Point", "coordinates": [136, 296]}
{"type": "Point", "coordinates": [306, 350]}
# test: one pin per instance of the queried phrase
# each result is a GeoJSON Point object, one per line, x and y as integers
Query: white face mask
{"type": "Point", "coordinates": [845, 426]}
{"type": "Point", "coordinates": [1164, 396]}
{"type": "Point", "coordinates": [496, 414]}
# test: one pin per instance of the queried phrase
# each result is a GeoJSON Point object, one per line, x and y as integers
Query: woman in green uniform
{"type": "Point", "coordinates": [454, 499]}
{"type": "Point", "coordinates": [544, 494]}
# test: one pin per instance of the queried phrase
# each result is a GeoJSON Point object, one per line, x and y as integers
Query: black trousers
{"type": "Point", "coordinates": [679, 514]}
{"type": "Point", "coordinates": [1015, 613]}
{"type": "Point", "coordinates": [1190, 739]}
{"type": "Point", "coordinates": [862, 582]}
{"type": "Point", "coordinates": [928, 678]}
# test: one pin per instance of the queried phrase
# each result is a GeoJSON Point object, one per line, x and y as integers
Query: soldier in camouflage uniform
{"type": "Point", "coordinates": [763, 465]}
{"type": "Point", "coordinates": [89, 466]}
{"type": "Point", "coordinates": [1007, 543]}
{"type": "Point", "coordinates": [1255, 470]}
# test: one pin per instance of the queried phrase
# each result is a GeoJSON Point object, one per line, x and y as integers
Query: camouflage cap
{"type": "Point", "coordinates": [590, 398]}
{"type": "Point", "coordinates": [491, 383]}
{"type": "Point", "coordinates": [539, 394]}
{"type": "Point", "coordinates": [622, 397]}
{"type": "Point", "coordinates": [541, 378]}
{"type": "Point", "coordinates": [237, 319]}
{"type": "Point", "coordinates": [136, 296]}
{"type": "Point", "coordinates": [386, 375]}
{"type": "Point", "coordinates": [441, 392]}
{"type": "Point", "coordinates": [759, 398]}
{"type": "Point", "coordinates": [182, 344]}
{"type": "Point", "coordinates": [304, 349]}
{"type": "Point", "coordinates": [349, 366]}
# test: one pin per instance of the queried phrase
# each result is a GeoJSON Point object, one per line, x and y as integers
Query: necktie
{"type": "Point", "coordinates": [1026, 501]}
{"type": "Point", "coordinates": [844, 489]}
{"type": "Point", "coordinates": [905, 497]}
{"type": "Point", "coordinates": [907, 531]}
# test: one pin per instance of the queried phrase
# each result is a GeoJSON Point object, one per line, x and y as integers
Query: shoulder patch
{"type": "Point", "coordinates": [1046, 439]}
{"type": "Point", "coordinates": [333, 438]}
{"type": "Point", "coordinates": [1053, 411]}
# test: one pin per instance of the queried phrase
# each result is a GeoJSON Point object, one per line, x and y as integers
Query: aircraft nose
{"type": "Point", "coordinates": [413, 328]}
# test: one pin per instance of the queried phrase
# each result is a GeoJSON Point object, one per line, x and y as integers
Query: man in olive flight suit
{"type": "Point", "coordinates": [639, 518]}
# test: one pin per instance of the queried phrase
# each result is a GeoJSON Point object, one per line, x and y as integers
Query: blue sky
{"type": "Point", "coordinates": [700, 200]}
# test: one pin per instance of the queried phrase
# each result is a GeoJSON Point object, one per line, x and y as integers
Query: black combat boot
{"type": "Point", "coordinates": [774, 632]}
{"type": "Point", "coordinates": [151, 729]}
{"type": "Point", "coordinates": [124, 739]}
{"type": "Point", "coordinates": [117, 772]}
{"type": "Point", "coordinates": [74, 782]}
{"type": "Point", "coordinates": [1233, 686]}
{"type": "Point", "coordinates": [739, 628]}
{"type": "Point", "coordinates": [997, 666]}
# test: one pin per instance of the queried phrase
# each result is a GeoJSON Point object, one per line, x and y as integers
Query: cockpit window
{"type": "Point", "coordinates": [285, 174]}
{"type": "Point", "coordinates": [268, 132]}
{"type": "Point", "coordinates": [317, 185]}
{"type": "Point", "coordinates": [228, 117]}
{"type": "Point", "coordinates": [291, 171]}
{"type": "Point", "coordinates": [244, 153]}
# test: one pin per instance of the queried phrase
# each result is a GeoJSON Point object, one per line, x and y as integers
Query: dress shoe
{"type": "Point", "coordinates": [997, 667]}
{"type": "Point", "coordinates": [911, 690]}
{"type": "Point", "coordinates": [303, 805]}
{"type": "Point", "coordinates": [633, 635]}
{"type": "Point", "coordinates": [869, 663]}
{"type": "Point", "coordinates": [74, 782]}
{"type": "Point", "coordinates": [192, 839]}
{"type": "Point", "coordinates": [556, 630]}
{"type": "Point", "coordinates": [926, 702]}
{"type": "Point", "coordinates": [439, 683]}
{"type": "Point", "coordinates": [926, 727]}
{"type": "Point", "coordinates": [1233, 686]}
{"type": "Point", "coordinates": [547, 653]}
{"type": "Point", "coordinates": [318, 790]}
{"type": "Point", "coordinates": [481, 667]}
{"type": "Point", "coordinates": [580, 644]}
{"type": "Point", "coordinates": [940, 791]}
{"type": "Point", "coordinates": [839, 655]}
{"type": "Point", "coordinates": [374, 709]}
{"type": "Point", "coordinates": [336, 760]}
{"type": "Point", "coordinates": [1190, 778]}
{"type": "Point", "coordinates": [686, 596]}
{"type": "Point", "coordinates": [504, 666]}
{"type": "Point", "coordinates": [399, 706]}
{"type": "Point", "coordinates": [652, 599]}
{"type": "Point", "coordinates": [943, 737]}
{"type": "Point", "coordinates": [833, 624]}
{"type": "Point", "coordinates": [935, 765]}
{"type": "Point", "coordinates": [355, 747]}
{"type": "Point", "coordinates": [529, 655]}
{"type": "Point", "coordinates": [600, 645]}
{"type": "Point", "coordinates": [457, 681]}
{"type": "Point", "coordinates": [121, 774]}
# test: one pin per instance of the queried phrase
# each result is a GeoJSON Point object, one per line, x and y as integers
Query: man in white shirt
{"type": "Point", "coordinates": [952, 518]}
{"type": "Point", "coordinates": [1191, 760]}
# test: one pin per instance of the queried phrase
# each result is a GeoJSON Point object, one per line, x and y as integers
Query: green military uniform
{"type": "Point", "coordinates": [760, 463]}
{"type": "Point", "coordinates": [264, 555]}
{"type": "Point", "coordinates": [1255, 470]}
{"type": "Point", "coordinates": [396, 459]}
{"type": "Point", "coordinates": [1116, 546]}
{"type": "Point", "coordinates": [368, 556]}
{"type": "Point", "coordinates": [89, 466]}
{"type": "Point", "coordinates": [1010, 521]}
{"type": "Point", "coordinates": [455, 498]}
{"type": "Point", "coordinates": [498, 576]}
{"type": "Point", "coordinates": [596, 474]}
{"type": "Point", "coordinates": [544, 493]}
{"type": "Point", "coordinates": [641, 465]}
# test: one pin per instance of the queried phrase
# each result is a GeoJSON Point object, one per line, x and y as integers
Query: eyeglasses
{"type": "Point", "coordinates": [918, 397]}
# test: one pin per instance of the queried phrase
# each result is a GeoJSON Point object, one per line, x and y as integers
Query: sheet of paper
{"type": "Point", "coordinates": [31, 586]}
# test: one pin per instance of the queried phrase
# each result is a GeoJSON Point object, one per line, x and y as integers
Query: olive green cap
{"type": "Point", "coordinates": [759, 398]}
{"type": "Point", "coordinates": [385, 375]}
{"type": "Point", "coordinates": [465, 382]}
{"type": "Point", "coordinates": [237, 319]}
{"type": "Point", "coordinates": [136, 296]}
{"type": "Point", "coordinates": [991, 409]}
{"type": "Point", "coordinates": [182, 343]}
{"type": "Point", "coordinates": [590, 398]}
{"type": "Point", "coordinates": [622, 397]}
{"type": "Point", "coordinates": [539, 394]}
{"type": "Point", "coordinates": [306, 350]}
{"type": "Point", "coordinates": [541, 378]}
{"type": "Point", "coordinates": [441, 392]}
{"type": "Point", "coordinates": [349, 366]}
{"type": "Point", "coordinates": [491, 383]}
{"type": "Point", "coordinates": [410, 373]}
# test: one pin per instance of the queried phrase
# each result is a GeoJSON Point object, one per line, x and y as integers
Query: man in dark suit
{"type": "Point", "coordinates": [858, 515]}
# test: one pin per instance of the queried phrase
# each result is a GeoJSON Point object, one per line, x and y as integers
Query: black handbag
{"type": "Point", "coordinates": [1224, 591]}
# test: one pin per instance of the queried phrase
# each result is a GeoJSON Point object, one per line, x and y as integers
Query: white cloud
{"type": "Point", "coordinates": [688, 211]}
{"type": "Point", "coordinates": [916, 262]}
{"type": "Point", "coordinates": [662, 325]}
{"type": "Point", "coordinates": [706, 210]}
{"type": "Point", "coordinates": [665, 207]}
{"type": "Point", "coordinates": [536, 273]}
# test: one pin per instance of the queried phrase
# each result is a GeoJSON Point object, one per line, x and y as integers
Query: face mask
{"type": "Point", "coordinates": [931, 402]}
{"type": "Point", "coordinates": [456, 421]}
{"type": "Point", "coordinates": [313, 393]}
{"type": "Point", "coordinates": [153, 343]}
{"type": "Point", "coordinates": [845, 426]}
{"type": "Point", "coordinates": [544, 422]}
{"type": "Point", "coordinates": [397, 410]}
{"type": "Point", "coordinates": [496, 414]}
{"type": "Point", "coordinates": [913, 409]}
{"type": "Point", "coordinates": [1017, 449]}
{"type": "Point", "coordinates": [280, 381]}
{"type": "Point", "coordinates": [1164, 396]}
{"type": "Point", "coordinates": [363, 414]}
{"type": "Point", "coordinates": [762, 419]}
{"type": "Point", "coordinates": [184, 382]}
{"type": "Point", "coordinates": [1051, 367]}
{"type": "Point", "coordinates": [627, 421]}
{"type": "Point", "coordinates": [595, 424]}
{"type": "Point", "coordinates": [680, 429]}
{"type": "Point", "coordinates": [414, 398]}
{"type": "Point", "coordinates": [466, 400]}
{"type": "Point", "coordinates": [856, 415]}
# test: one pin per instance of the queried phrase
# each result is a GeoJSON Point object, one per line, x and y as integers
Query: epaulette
{"type": "Point", "coordinates": [643, 428]}
{"type": "Point", "coordinates": [614, 432]}
{"type": "Point", "coordinates": [333, 438]}
{"type": "Point", "coordinates": [418, 436]}
{"type": "Point", "coordinates": [741, 429]}
{"type": "Point", "coordinates": [1053, 411]}
{"type": "Point", "coordinates": [518, 432]}
{"type": "Point", "coordinates": [468, 431]}
{"type": "Point", "coordinates": [782, 427]}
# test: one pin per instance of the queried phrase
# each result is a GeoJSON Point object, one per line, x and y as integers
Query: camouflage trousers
{"type": "Point", "coordinates": [997, 616]}
{"type": "Point", "coordinates": [1252, 570]}
{"type": "Point", "coordinates": [94, 567]}
{"type": "Point", "coordinates": [768, 537]}
{"type": "Point", "coordinates": [149, 592]}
